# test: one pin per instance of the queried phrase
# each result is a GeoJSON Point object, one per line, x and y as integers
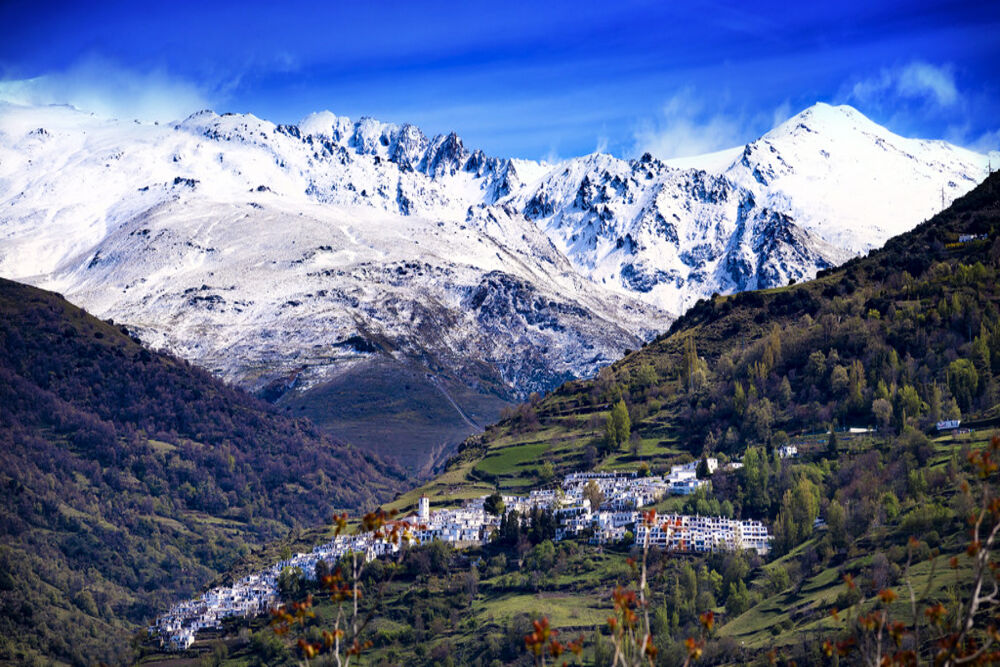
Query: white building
{"type": "Point", "coordinates": [683, 479]}
{"type": "Point", "coordinates": [703, 534]}
{"type": "Point", "coordinates": [424, 509]}
{"type": "Point", "coordinates": [711, 463]}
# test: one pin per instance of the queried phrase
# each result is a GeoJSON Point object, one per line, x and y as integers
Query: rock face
{"type": "Point", "coordinates": [401, 289]}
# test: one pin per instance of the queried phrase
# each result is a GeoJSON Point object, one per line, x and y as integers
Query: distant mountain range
{"type": "Point", "coordinates": [400, 289]}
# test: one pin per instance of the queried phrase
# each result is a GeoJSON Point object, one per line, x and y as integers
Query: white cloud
{"type": "Point", "coordinates": [688, 127]}
{"type": "Point", "coordinates": [100, 86]}
{"type": "Point", "coordinates": [781, 113]}
{"type": "Point", "coordinates": [918, 95]}
{"type": "Point", "coordinates": [917, 80]}
{"type": "Point", "coordinates": [963, 135]}
{"type": "Point", "coordinates": [987, 142]}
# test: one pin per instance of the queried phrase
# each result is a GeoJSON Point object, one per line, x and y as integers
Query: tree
{"type": "Point", "coordinates": [785, 391]}
{"type": "Point", "coordinates": [882, 411]}
{"type": "Point", "coordinates": [618, 428]}
{"type": "Point", "coordinates": [737, 599]}
{"type": "Point", "coordinates": [816, 367]}
{"type": "Point", "coordinates": [832, 445]}
{"type": "Point", "coordinates": [634, 445]}
{"type": "Point", "coordinates": [836, 522]}
{"type": "Point", "coordinates": [693, 368]}
{"type": "Point", "coordinates": [963, 380]}
{"type": "Point", "coordinates": [934, 403]}
{"type": "Point", "coordinates": [740, 398]}
{"type": "Point", "coordinates": [702, 470]}
{"type": "Point", "coordinates": [840, 381]}
{"type": "Point", "coordinates": [755, 482]}
{"type": "Point", "coordinates": [908, 402]}
{"type": "Point", "coordinates": [494, 504]}
{"type": "Point", "coordinates": [85, 601]}
{"type": "Point", "coordinates": [592, 492]}
{"type": "Point", "coordinates": [778, 579]}
{"type": "Point", "coordinates": [645, 376]}
{"type": "Point", "coordinates": [290, 583]}
{"type": "Point", "coordinates": [509, 532]}
{"type": "Point", "coordinates": [321, 570]}
{"type": "Point", "coordinates": [855, 394]}
{"type": "Point", "coordinates": [758, 421]}
{"type": "Point", "coordinates": [799, 509]}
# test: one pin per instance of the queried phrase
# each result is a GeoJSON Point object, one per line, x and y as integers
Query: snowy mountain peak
{"type": "Point", "coordinates": [374, 245]}
{"type": "Point", "coordinates": [851, 181]}
{"type": "Point", "coordinates": [325, 124]}
{"type": "Point", "coordinates": [228, 126]}
{"type": "Point", "coordinates": [822, 117]}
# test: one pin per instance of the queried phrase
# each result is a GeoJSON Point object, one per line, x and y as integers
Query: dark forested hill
{"type": "Point", "coordinates": [129, 478]}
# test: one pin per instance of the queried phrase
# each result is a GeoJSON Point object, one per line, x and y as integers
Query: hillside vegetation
{"type": "Point", "coordinates": [887, 344]}
{"type": "Point", "coordinates": [129, 478]}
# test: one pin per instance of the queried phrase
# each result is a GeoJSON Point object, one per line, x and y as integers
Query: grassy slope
{"type": "Point", "coordinates": [396, 411]}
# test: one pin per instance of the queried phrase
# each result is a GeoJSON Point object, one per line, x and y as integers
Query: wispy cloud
{"type": "Point", "coordinates": [691, 125]}
{"type": "Point", "coordinates": [916, 80]}
{"type": "Point", "coordinates": [98, 85]}
{"type": "Point", "coordinates": [982, 142]}
{"type": "Point", "coordinates": [906, 97]}
{"type": "Point", "coordinates": [685, 127]}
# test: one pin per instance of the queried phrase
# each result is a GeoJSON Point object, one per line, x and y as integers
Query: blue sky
{"type": "Point", "coordinates": [549, 79]}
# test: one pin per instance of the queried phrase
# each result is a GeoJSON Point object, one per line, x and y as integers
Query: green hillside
{"type": "Point", "coordinates": [129, 479]}
{"type": "Point", "coordinates": [887, 345]}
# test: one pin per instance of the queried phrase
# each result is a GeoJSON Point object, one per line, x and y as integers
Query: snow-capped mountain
{"type": "Point", "coordinates": [356, 261]}
{"type": "Point", "coordinates": [823, 186]}
{"type": "Point", "coordinates": [350, 258]}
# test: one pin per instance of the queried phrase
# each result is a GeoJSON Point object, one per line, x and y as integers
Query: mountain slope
{"type": "Point", "coordinates": [833, 160]}
{"type": "Point", "coordinates": [896, 340]}
{"type": "Point", "coordinates": [889, 344]}
{"type": "Point", "coordinates": [322, 265]}
{"type": "Point", "coordinates": [905, 336]}
{"type": "Point", "coordinates": [129, 477]}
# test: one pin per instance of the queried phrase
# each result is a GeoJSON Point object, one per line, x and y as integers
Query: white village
{"type": "Point", "coordinates": [622, 497]}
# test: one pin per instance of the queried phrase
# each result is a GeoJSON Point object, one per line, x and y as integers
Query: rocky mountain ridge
{"type": "Point", "coordinates": [333, 265]}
